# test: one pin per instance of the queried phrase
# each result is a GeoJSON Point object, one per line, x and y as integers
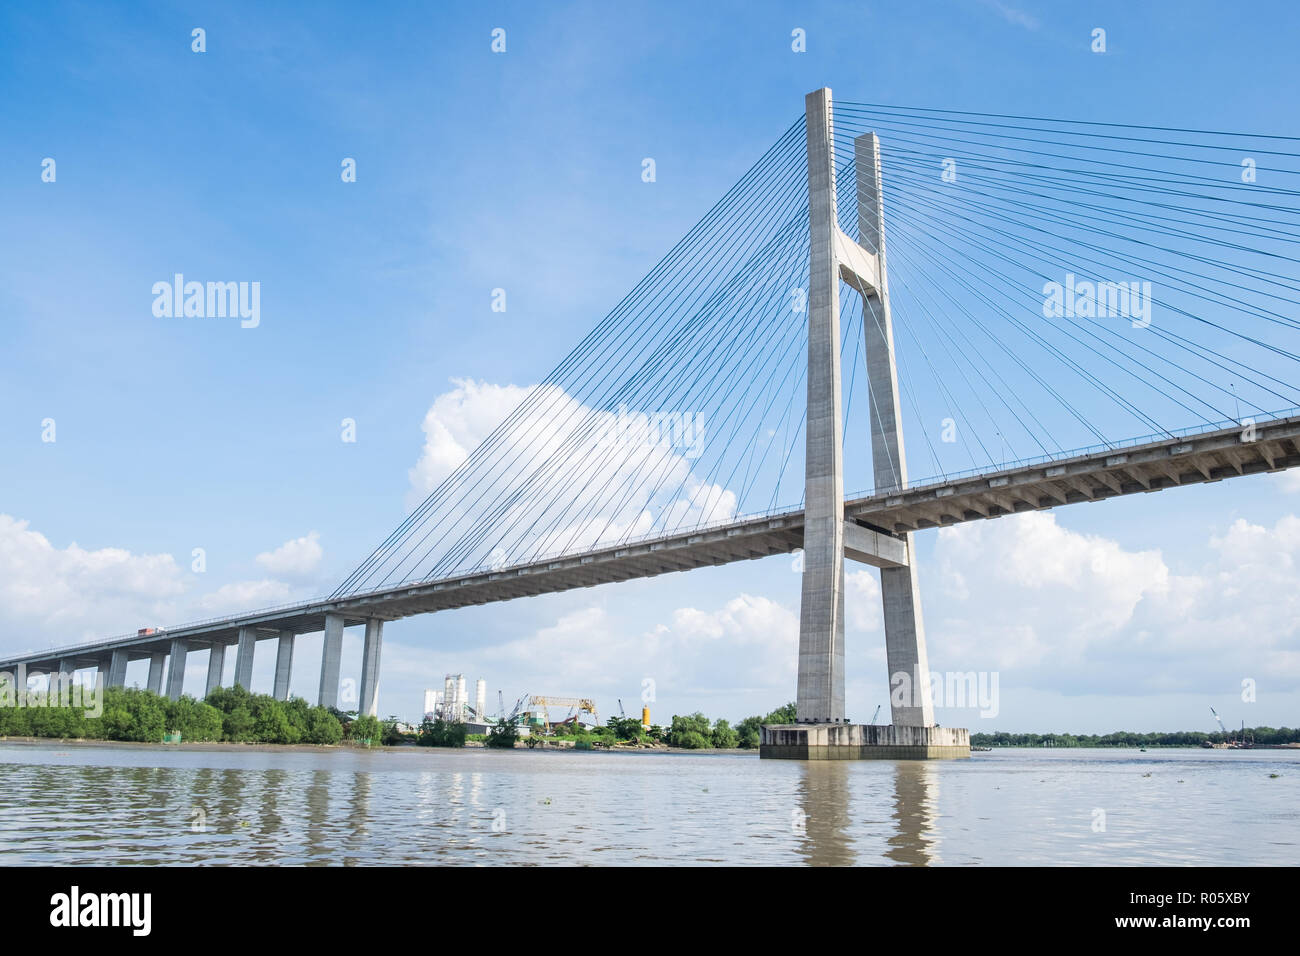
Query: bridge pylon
{"type": "Point", "coordinates": [821, 730]}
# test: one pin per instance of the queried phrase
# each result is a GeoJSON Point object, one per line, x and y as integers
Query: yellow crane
{"type": "Point", "coordinates": [573, 703]}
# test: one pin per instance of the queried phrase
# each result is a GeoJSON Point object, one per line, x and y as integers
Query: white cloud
{"type": "Point", "coordinates": [567, 478]}
{"type": "Point", "coordinates": [862, 601]}
{"type": "Point", "coordinates": [1289, 479]}
{"type": "Point", "coordinates": [1056, 609]}
{"type": "Point", "coordinates": [70, 594]}
{"type": "Point", "coordinates": [245, 596]}
{"type": "Point", "coordinates": [294, 558]}
{"type": "Point", "coordinates": [454, 425]}
{"type": "Point", "coordinates": [1012, 15]}
{"type": "Point", "coordinates": [57, 596]}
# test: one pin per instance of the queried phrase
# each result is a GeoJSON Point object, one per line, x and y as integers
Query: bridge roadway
{"type": "Point", "coordinates": [1090, 476]}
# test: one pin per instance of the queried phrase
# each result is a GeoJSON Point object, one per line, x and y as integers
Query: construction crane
{"type": "Point", "coordinates": [876, 714]}
{"type": "Point", "coordinates": [621, 711]}
{"type": "Point", "coordinates": [501, 706]}
{"type": "Point", "coordinates": [545, 703]}
{"type": "Point", "coordinates": [1216, 717]}
{"type": "Point", "coordinates": [514, 714]}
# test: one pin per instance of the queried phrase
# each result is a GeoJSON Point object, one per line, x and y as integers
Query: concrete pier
{"type": "Point", "coordinates": [820, 697]}
{"type": "Point", "coordinates": [900, 593]}
{"type": "Point", "coordinates": [157, 660]}
{"type": "Point", "coordinates": [244, 658]}
{"type": "Point", "coordinates": [374, 642]}
{"type": "Point", "coordinates": [331, 658]}
{"type": "Point", "coordinates": [216, 668]}
{"type": "Point", "coordinates": [862, 742]}
{"type": "Point", "coordinates": [117, 669]}
{"type": "Point", "coordinates": [176, 669]}
{"type": "Point", "coordinates": [283, 665]}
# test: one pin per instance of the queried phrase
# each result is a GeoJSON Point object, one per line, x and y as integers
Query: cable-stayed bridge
{"type": "Point", "coordinates": [1052, 288]}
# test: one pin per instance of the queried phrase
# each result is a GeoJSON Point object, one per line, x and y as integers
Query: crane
{"type": "Point", "coordinates": [1216, 717]}
{"type": "Point", "coordinates": [876, 714]}
{"type": "Point", "coordinates": [621, 711]}
{"type": "Point", "coordinates": [573, 703]}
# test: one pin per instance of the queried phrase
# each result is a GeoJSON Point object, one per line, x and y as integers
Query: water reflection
{"type": "Point", "coordinates": [864, 813]}
{"type": "Point", "coordinates": [823, 793]}
{"type": "Point", "coordinates": [915, 814]}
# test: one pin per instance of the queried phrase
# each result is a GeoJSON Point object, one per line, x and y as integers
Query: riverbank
{"type": "Point", "coordinates": [560, 746]}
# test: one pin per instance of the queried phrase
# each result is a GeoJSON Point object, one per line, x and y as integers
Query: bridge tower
{"type": "Point", "coordinates": [821, 730]}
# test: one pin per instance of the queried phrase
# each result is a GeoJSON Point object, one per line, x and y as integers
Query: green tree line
{"type": "Point", "coordinates": [1124, 738]}
{"type": "Point", "coordinates": [695, 732]}
{"type": "Point", "coordinates": [228, 714]}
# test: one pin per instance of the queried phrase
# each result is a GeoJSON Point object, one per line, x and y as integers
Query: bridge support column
{"type": "Point", "coordinates": [117, 669]}
{"type": "Point", "coordinates": [244, 658]}
{"type": "Point", "coordinates": [909, 666]}
{"type": "Point", "coordinates": [216, 668]}
{"type": "Point", "coordinates": [370, 668]}
{"type": "Point", "coordinates": [156, 660]}
{"type": "Point", "coordinates": [822, 731]}
{"type": "Point", "coordinates": [176, 669]}
{"type": "Point", "coordinates": [820, 697]}
{"type": "Point", "coordinates": [331, 657]}
{"type": "Point", "coordinates": [62, 679]}
{"type": "Point", "coordinates": [283, 665]}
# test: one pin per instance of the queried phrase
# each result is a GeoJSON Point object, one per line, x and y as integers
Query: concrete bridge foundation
{"type": "Point", "coordinates": [862, 742]}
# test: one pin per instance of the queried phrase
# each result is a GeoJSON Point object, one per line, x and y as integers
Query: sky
{"type": "Point", "coordinates": [522, 170]}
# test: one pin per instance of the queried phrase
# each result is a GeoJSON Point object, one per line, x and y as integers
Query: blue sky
{"type": "Point", "coordinates": [522, 170]}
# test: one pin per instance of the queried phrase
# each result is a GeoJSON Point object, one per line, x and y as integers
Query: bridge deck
{"type": "Point", "coordinates": [1147, 467]}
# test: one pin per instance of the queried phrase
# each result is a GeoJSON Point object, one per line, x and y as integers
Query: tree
{"type": "Point", "coordinates": [323, 727]}
{"type": "Point", "coordinates": [237, 725]}
{"type": "Point", "coordinates": [298, 713]}
{"type": "Point", "coordinates": [625, 728]}
{"type": "Point", "coordinates": [503, 735]}
{"type": "Point", "coordinates": [692, 733]}
{"type": "Point", "coordinates": [148, 715]}
{"type": "Point", "coordinates": [366, 729]}
{"type": "Point", "coordinates": [441, 733]}
{"type": "Point", "coordinates": [782, 715]}
{"type": "Point", "coordinates": [723, 737]}
{"type": "Point", "coordinates": [391, 735]}
{"type": "Point", "coordinates": [271, 724]}
{"type": "Point", "coordinates": [748, 733]}
{"type": "Point", "coordinates": [193, 719]}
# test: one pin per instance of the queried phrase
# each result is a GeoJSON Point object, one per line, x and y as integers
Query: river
{"type": "Point", "coordinates": [111, 804]}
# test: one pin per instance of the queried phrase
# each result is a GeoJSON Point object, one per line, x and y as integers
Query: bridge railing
{"type": "Point", "coordinates": [1073, 453]}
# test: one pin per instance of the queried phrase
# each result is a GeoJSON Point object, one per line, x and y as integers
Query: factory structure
{"type": "Point", "coordinates": [452, 703]}
{"type": "Point", "coordinates": [530, 713]}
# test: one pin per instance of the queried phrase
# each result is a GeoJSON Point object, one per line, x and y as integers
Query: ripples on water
{"type": "Point", "coordinates": [108, 804]}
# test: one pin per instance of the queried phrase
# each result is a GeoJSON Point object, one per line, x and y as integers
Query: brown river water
{"type": "Point", "coordinates": [113, 804]}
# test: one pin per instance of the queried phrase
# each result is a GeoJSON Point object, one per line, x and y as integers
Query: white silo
{"type": "Point", "coordinates": [430, 702]}
{"type": "Point", "coordinates": [480, 699]}
{"type": "Point", "coordinates": [449, 697]}
{"type": "Point", "coordinates": [461, 697]}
